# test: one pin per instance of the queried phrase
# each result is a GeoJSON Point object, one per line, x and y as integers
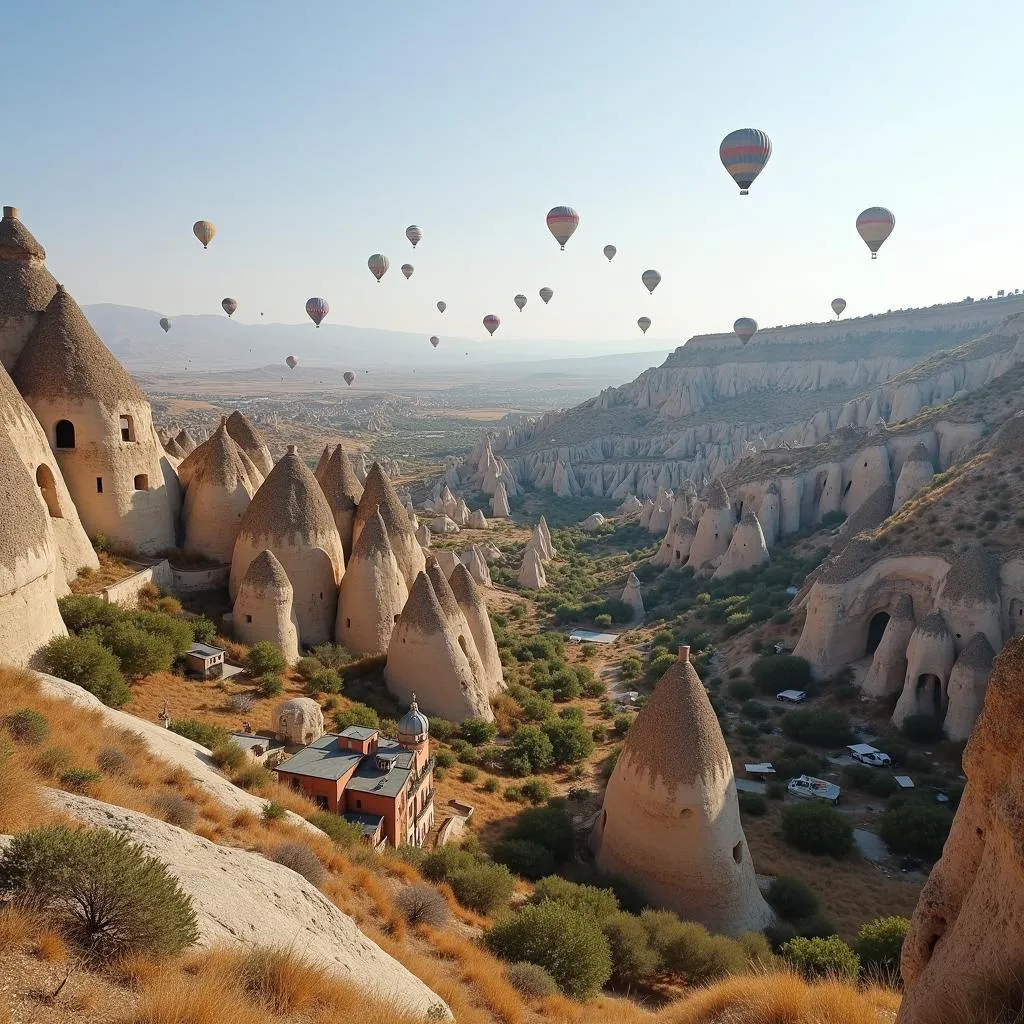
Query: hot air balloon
{"type": "Point", "coordinates": [378, 265]}
{"type": "Point", "coordinates": [520, 301]}
{"type": "Point", "coordinates": [545, 294]}
{"type": "Point", "coordinates": [292, 362]}
{"type": "Point", "coordinates": [407, 269]}
{"type": "Point", "coordinates": [610, 251]}
{"type": "Point", "coordinates": [204, 231]}
{"type": "Point", "coordinates": [562, 222]}
{"type": "Point", "coordinates": [745, 328]}
{"type": "Point", "coordinates": [165, 324]}
{"type": "Point", "coordinates": [229, 305]}
{"type": "Point", "coordinates": [349, 377]}
{"type": "Point", "coordinates": [643, 323]}
{"type": "Point", "coordinates": [744, 153]}
{"type": "Point", "coordinates": [875, 225]}
{"type": "Point", "coordinates": [492, 323]}
{"type": "Point", "coordinates": [413, 233]}
{"type": "Point", "coordinates": [838, 305]}
{"type": "Point", "coordinates": [435, 340]}
{"type": "Point", "coordinates": [442, 306]}
{"type": "Point", "coordinates": [317, 309]}
{"type": "Point", "coordinates": [651, 279]}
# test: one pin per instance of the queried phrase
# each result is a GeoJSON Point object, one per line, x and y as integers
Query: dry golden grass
{"type": "Point", "coordinates": [50, 947]}
{"type": "Point", "coordinates": [112, 568]}
{"type": "Point", "coordinates": [18, 928]}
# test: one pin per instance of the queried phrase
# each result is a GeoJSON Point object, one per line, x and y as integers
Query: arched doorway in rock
{"type": "Point", "coordinates": [48, 488]}
{"type": "Point", "coordinates": [1016, 617]}
{"type": "Point", "coordinates": [929, 694]}
{"type": "Point", "coordinates": [876, 627]}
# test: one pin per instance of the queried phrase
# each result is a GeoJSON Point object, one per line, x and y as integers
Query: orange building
{"type": "Point", "coordinates": [385, 787]}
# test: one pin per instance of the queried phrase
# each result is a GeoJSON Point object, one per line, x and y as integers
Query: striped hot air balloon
{"type": "Point", "coordinates": [292, 362]}
{"type": "Point", "coordinates": [349, 377]}
{"type": "Point", "coordinates": [875, 225]}
{"type": "Point", "coordinates": [838, 305]}
{"type": "Point", "coordinates": [609, 252]}
{"type": "Point", "coordinates": [229, 305]}
{"type": "Point", "coordinates": [492, 323]}
{"type": "Point", "coordinates": [520, 301]}
{"type": "Point", "coordinates": [651, 279]}
{"type": "Point", "coordinates": [643, 323]}
{"type": "Point", "coordinates": [562, 222]}
{"type": "Point", "coordinates": [435, 340]}
{"type": "Point", "coordinates": [204, 231]}
{"type": "Point", "coordinates": [745, 328]}
{"type": "Point", "coordinates": [378, 265]}
{"type": "Point", "coordinates": [317, 309]}
{"type": "Point", "coordinates": [442, 306]}
{"type": "Point", "coordinates": [414, 234]}
{"type": "Point", "coordinates": [165, 324]}
{"type": "Point", "coordinates": [744, 153]}
{"type": "Point", "coordinates": [546, 294]}
{"type": "Point", "coordinates": [407, 269]}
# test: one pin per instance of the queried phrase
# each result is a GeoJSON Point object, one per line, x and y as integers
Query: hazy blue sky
{"type": "Point", "coordinates": [313, 133]}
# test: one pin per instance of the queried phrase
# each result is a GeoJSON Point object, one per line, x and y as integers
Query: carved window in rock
{"type": "Point", "coordinates": [141, 482]}
{"type": "Point", "coordinates": [64, 434]}
{"type": "Point", "coordinates": [127, 425]}
{"type": "Point", "coordinates": [48, 488]}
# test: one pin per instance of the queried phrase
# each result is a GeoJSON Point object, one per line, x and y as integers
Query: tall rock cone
{"type": "Point", "coordinates": [343, 491]}
{"type": "Point", "coordinates": [185, 441]}
{"type": "Point", "coordinates": [379, 495]}
{"type": "Point", "coordinates": [670, 821]}
{"type": "Point", "coordinates": [889, 663]}
{"type": "Point", "coordinates": [264, 608]}
{"type": "Point", "coordinates": [321, 463]}
{"type": "Point", "coordinates": [26, 286]}
{"type": "Point", "coordinates": [453, 613]}
{"type": "Point", "coordinates": [427, 658]}
{"type": "Point", "coordinates": [542, 525]}
{"type": "Point", "coordinates": [373, 593]}
{"type": "Point", "coordinates": [470, 600]}
{"type": "Point", "coordinates": [290, 517]}
{"type": "Point", "coordinates": [531, 572]}
{"type": "Point", "coordinates": [251, 441]}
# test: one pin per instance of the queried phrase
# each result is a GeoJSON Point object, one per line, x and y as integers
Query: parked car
{"type": "Point", "coordinates": [869, 755]}
{"type": "Point", "coordinates": [810, 788]}
{"type": "Point", "coordinates": [792, 696]}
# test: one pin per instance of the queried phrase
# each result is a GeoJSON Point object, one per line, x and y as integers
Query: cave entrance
{"type": "Point", "coordinates": [929, 694]}
{"type": "Point", "coordinates": [876, 627]}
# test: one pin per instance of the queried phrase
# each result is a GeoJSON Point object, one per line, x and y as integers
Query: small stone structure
{"type": "Point", "coordinates": [299, 720]}
{"type": "Point", "coordinates": [632, 596]}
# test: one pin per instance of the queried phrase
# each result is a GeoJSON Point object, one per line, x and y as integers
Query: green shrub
{"type": "Point", "coordinates": [109, 896]}
{"type": "Point", "coordinates": [530, 980]}
{"type": "Point", "coordinates": [687, 949]}
{"type": "Point", "coordinates": [324, 681]}
{"type": "Point", "coordinates": [442, 730]}
{"type": "Point", "coordinates": [792, 899]}
{"type": "Point", "coordinates": [332, 655]}
{"type": "Point", "coordinates": [603, 620]}
{"type": "Point", "coordinates": [82, 611]}
{"type": "Point", "coordinates": [273, 811]}
{"type": "Point", "coordinates": [631, 667]}
{"type": "Point", "coordinates": [177, 632]}
{"type": "Point", "coordinates": [916, 828]}
{"type": "Point", "coordinates": [597, 903]}
{"type": "Point", "coordinates": [773, 673]}
{"type": "Point", "coordinates": [253, 778]}
{"type": "Point", "coordinates": [341, 832]}
{"type": "Point", "coordinates": [570, 740]}
{"type": "Point", "coordinates": [203, 630]}
{"type": "Point", "coordinates": [566, 943]}
{"type": "Point", "coordinates": [308, 667]}
{"type": "Point", "coordinates": [444, 759]}
{"type": "Point", "coordinates": [817, 828]}
{"type": "Point", "coordinates": [879, 943]}
{"type": "Point", "coordinates": [440, 864]}
{"type": "Point", "coordinates": [529, 751]}
{"type": "Point", "coordinates": [821, 958]}
{"type": "Point", "coordinates": [476, 731]}
{"type": "Point", "coordinates": [547, 826]}
{"type": "Point", "coordinates": [26, 725]}
{"type": "Point", "coordinates": [83, 660]}
{"type": "Point", "coordinates": [469, 774]}
{"type": "Point", "coordinates": [537, 791]}
{"type": "Point", "coordinates": [484, 888]}
{"type": "Point", "coordinates": [206, 734]}
{"type": "Point", "coordinates": [755, 711]}
{"type": "Point", "coordinates": [622, 724]}
{"type": "Point", "coordinates": [80, 780]}
{"type": "Point", "coordinates": [228, 756]}
{"type": "Point", "coordinates": [922, 728]}
{"type": "Point", "coordinates": [753, 804]}
{"type": "Point", "coordinates": [356, 714]}
{"type": "Point", "coordinates": [265, 658]}
{"type": "Point", "coordinates": [660, 664]}
{"type": "Point", "coordinates": [633, 959]}
{"type": "Point", "coordinates": [302, 860]}
{"type": "Point", "coordinates": [524, 857]}
{"type": "Point", "coordinates": [139, 652]}
{"type": "Point", "coordinates": [823, 728]}
{"type": "Point", "coordinates": [270, 686]}
{"type": "Point", "coordinates": [491, 785]}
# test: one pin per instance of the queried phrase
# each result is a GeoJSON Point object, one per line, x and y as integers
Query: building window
{"type": "Point", "coordinates": [99, 485]}
{"type": "Point", "coordinates": [248, 618]}
{"type": "Point", "coordinates": [127, 428]}
{"type": "Point", "coordinates": [348, 623]}
{"type": "Point", "coordinates": [64, 434]}
{"type": "Point", "coordinates": [359, 804]}
{"type": "Point", "coordinates": [48, 487]}
{"type": "Point", "coordinates": [142, 482]}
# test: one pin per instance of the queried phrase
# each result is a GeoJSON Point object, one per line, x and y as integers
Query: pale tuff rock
{"type": "Point", "coordinates": [542, 525]}
{"type": "Point", "coordinates": [967, 683]}
{"type": "Point", "coordinates": [646, 512]}
{"type": "Point", "coordinates": [747, 548]}
{"type": "Point", "coordinates": [379, 495]}
{"type": "Point", "coordinates": [541, 544]}
{"type": "Point", "coordinates": [866, 472]}
{"type": "Point", "coordinates": [967, 933]}
{"type": "Point", "coordinates": [290, 517]}
{"type": "Point", "coordinates": [791, 493]}
{"type": "Point", "coordinates": [831, 497]}
{"type": "Point", "coordinates": [563, 483]}
{"type": "Point", "coordinates": [593, 522]}
{"type": "Point", "coordinates": [360, 468]}
{"type": "Point", "coordinates": [217, 493]}
{"type": "Point", "coordinates": [475, 611]}
{"type": "Point", "coordinates": [343, 492]}
{"type": "Point", "coordinates": [477, 520]}
{"type": "Point", "coordinates": [499, 503]}
{"type": "Point", "coordinates": [427, 658]}
{"type": "Point", "coordinates": [769, 514]}
{"type": "Point", "coordinates": [715, 529]}
{"type": "Point", "coordinates": [423, 535]}
{"type": "Point", "coordinates": [676, 544]}
{"type": "Point", "coordinates": [456, 620]}
{"type": "Point", "coordinates": [473, 559]}
{"type": "Point", "coordinates": [251, 441]}
{"type": "Point", "coordinates": [630, 506]}
{"type": "Point", "coordinates": [174, 449]}
{"type": "Point", "coordinates": [670, 821]}
{"type": "Point", "coordinates": [683, 505]}
{"type": "Point", "coordinates": [491, 552]}
{"type": "Point", "coordinates": [26, 286]}
{"type": "Point", "coordinates": [372, 593]}
{"type": "Point", "coordinates": [449, 504]}
{"type": "Point", "coordinates": [186, 441]}
{"type": "Point", "coordinates": [462, 513]}
{"type": "Point", "coordinates": [917, 471]}
{"type": "Point", "coordinates": [531, 573]}
{"type": "Point", "coordinates": [298, 720]}
{"type": "Point", "coordinates": [443, 525]}
{"type": "Point", "coordinates": [632, 596]}
{"type": "Point", "coordinates": [888, 669]}
{"type": "Point", "coordinates": [930, 657]}
{"type": "Point", "coordinates": [871, 513]}
{"type": "Point", "coordinates": [661, 516]}
{"type": "Point", "coordinates": [969, 597]}
{"type": "Point", "coordinates": [446, 558]}
{"type": "Point", "coordinates": [321, 463]}
{"type": "Point", "coordinates": [264, 609]}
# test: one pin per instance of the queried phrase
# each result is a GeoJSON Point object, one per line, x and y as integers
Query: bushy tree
{"type": "Point", "coordinates": [477, 732]}
{"type": "Point", "coordinates": [206, 734]}
{"type": "Point", "coordinates": [547, 826]}
{"type": "Point", "coordinates": [686, 948]}
{"type": "Point", "coordinates": [570, 740]}
{"type": "Point", "coordinates": [524, 857]}
{"type": "Point", "coordinates": [599, 904]}
{"type": "Point", "coordinates": [308, 667]}
{"type": "Point", "coordinates": [483, 887]}
{"type": "Point", "coordinates": [773, 673]}
{"type": "Point", "coordinates": [817, 828]}
{"type": "Point", "coordinates": [792, 899]}
{"type": "Point", "coordinates": [823, 728]}
{"type": "Point", "coordinates": [203, 630]}
{"type": "Point", "coordinates": [177, 632]}
{"type": "Point", "coordinates": [529, 751]}
{"type": "Point", "coordinates": [83, 660]}
{"type": "Point", "coordinates": [82, 611]}
{"type": "Point", "coordinates": [265, 658]}
{"type": "Point", "coordinates": [818, 958]}
{"type": "Point", "coordinates": [342, 832]}
{"type": "Point", "coordinates": [139, 652]}
{"type": "Point", "coordinates": [880, 942]}
{"type": "Point", "coordinates": [917, 828]}
{"type": "Point", "coordinates": [356, 714]}
{"type": "Point", "coordinates": [441, 863]}
{"type": "Point", "coordinates": [633, 959]}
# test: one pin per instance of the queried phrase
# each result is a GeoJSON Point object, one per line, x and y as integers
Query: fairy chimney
{"type": "Point", "coordinates": [343, 491]}
{"type": "Point", "coordinates": [632, 596]}
{"type": "Point", "coordinates": [472, 558]}
{"type": "Point", "coordinates": [747, 548]}
{"type": "Point", "coordinates": [967, 683]}
{"type": "Point", "coordinates": [969, 597]}
{"type": "Point", "coordinates": [917, 471]}
{"type": "Point", "coordinates": [474, 609]}
{"type": "Point", "coordinates": [715, 529]}
{"type": "Point", "coordinates": [186, 441]}
{"type": "Point", "coordinates": [379, 496]}
{"type": "Point", "coordinates": [26, 286]}
{"type": "Point", "coordinates": [531, 573]}
{"type": "Point", "coordinates": [453, 613]}
{"type": "Point", "coordinates": [321, 463]}
{"type": "Point", "coordinates": [770, 513]}
{"type": "Point", "coordinates": [264, 608]}
{"type": "Point", "coordinates": [888, 669]}
{"type": "Point", "coordinates": [930, 656]}
{"type": "Point", "coordinates": [251, 441]}
{"type": "Point", "coordinates": [477, 520]}
{"type": "Point", "coordinates": [174, 449]}
{"type": "Point", "coordinates": [661, 515]}
{"type": "Point", "coordinates": [499, 503]}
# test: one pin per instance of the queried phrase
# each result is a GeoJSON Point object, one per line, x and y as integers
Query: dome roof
{"type": "Point", "coordinates": [26, 286]}
{"type": "Point", "coordinates": [289, 502]}
{"type": "Point", "coordinates": [413, 722]}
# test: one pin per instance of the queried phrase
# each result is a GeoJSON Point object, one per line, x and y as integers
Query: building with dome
{"type": "Point", "coordinates": [384, 786]}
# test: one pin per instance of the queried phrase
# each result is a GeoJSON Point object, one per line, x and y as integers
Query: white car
{"type": "Point", "coordinates": [792, 696]}
{"type": "Point", "coordinates": [810, 788]}
{"type": "Point", "coordinates": [869, 755]}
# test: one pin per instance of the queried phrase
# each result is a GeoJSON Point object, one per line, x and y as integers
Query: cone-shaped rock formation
{"type": "Point", "coordinates": [531, 573]}
{"type": "Point", "coordinates": [251, 441]}
{"type": "Point", "coordinates": [474, 609]}
{"type": "Point", "coordinates": [264, 608]}
{"type": "Point", "coordinates": [343, 491]}
{"type": "Point", "coordinates": [379, 495]}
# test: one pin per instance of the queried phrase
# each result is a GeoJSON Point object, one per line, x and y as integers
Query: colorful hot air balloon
{"type": "Point", "coordinates": [875, 225]}
{"type": "Point", "coordinates": [562, 222]}
{"type": "Point", "coordinates": [492, 323]}
{"type": "Point", "coordinates": [435, 340]}
{"type": "Point", "coordinates": [407, 269]}
{"type": "Point", "coordinates": [545, 294]}
{"type": "Point", "coordinates": [744, 153]}
{"type": "Point", "coordinates": [413, 233]}
{"type": "Point", "coordinates": [745, 328]}
{"type": "Point", "coordinates": [520, 301]}
{"type": "Point", "coordinates": [651, 279]}
{"type": "Point", "coordinates": [442, 306]}
{"type": "Point", "coordinates": [317, 309]}
{"type": "Point", "coordinates": [165, 324]}
{"type": "Point", "coordinates": [838, 305]}
{"type": "Point", "coordinates": [643, 323]}
{"type": "Point", "coordinates": [378, 265]}
{"type": "Point", "coordinates": [229, 305]}
{"type": "Point", "coordinates": [204, 231]}
{"type": "Point", "coordinates": [609, 252]}
{"type": "Point", "coordinates": [349, 377]}
{"type": "Point", "coordinates": [292, 362]}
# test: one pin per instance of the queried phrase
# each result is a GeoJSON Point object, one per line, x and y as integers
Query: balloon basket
{"type": "Point", "coordinates": [744, 191]}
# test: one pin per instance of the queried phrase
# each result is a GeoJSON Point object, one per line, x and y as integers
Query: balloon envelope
{"type": "Point", "coordinates": [745, 328]}
{"type": "Point", "coordinates": [520, 301]}
{"type": "Point", "coordinates": [610, 251]}
{"type": "Point", "coordinates": [349, 377]}
{"type": "Point", "coordinates": [292, 362]}
{"type": "Point", "coordinates": [407, 269]}
{"type": "Point", "coordinates": [442, 306]}
{"type": "Point", "coordinates": [229, 305]}
{"type": "Point", "coordinates": [204, 231]}
{"type": "Point", "coordinates": [435, 340]}
{"type": "Point", "coordinates": [413, 233]}
{"type": "Point", "coordinates": [838, 305]}
{"type": "Point", "coordinates": [562, 222]}
{"type": "Point", "coordinates": [643, 323]}
{"type": "Point", "coordinates": [651, 279]}
{"type": "Point", "coordinates": [744, 153]}
{"type": "Point", "coordinates": [378, 265]}
{"type": "Point", "coordinates": [165, 324]}
{"type": "Point", "coordinates": [317, 309]}
{"type": "Point", "coordinates": [492, 323]}
{"type": "Point", "coordinates": [545, 294]}
{"type": "Point", "coordinates": [875, 225]}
